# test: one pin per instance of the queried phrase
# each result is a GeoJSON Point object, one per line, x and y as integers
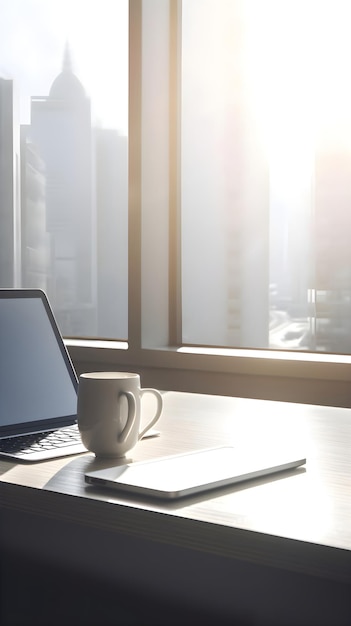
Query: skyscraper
{"type": "Point", "coordinates": [332, 220]}
{"type": "Point", "coordinates": [61, 134]}
{"type": "Point", "coordinates": [35, 240]}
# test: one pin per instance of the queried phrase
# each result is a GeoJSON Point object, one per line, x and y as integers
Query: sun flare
{"type": "Point", "coordinates": [297, 63]}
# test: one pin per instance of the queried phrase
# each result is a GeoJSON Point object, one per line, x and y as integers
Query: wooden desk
{"type": "Point", "coordinates": [275, 550]}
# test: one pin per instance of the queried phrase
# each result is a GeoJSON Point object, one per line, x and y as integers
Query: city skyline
{"type": "Point", "coordinates": [73, 181]}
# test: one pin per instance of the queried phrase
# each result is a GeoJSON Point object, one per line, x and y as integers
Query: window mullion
{"type": "Point", "coordinates": [134, 183]}
{"type": "Point", "coordinates": [175, 301]}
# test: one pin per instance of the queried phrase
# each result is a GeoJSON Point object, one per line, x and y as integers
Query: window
{"type": "Point", "coordinates": [234, 284]}
{"type": "Point", "coordinates": [265, 171]}
{"type": "Point", "coordinates": [64, 158]}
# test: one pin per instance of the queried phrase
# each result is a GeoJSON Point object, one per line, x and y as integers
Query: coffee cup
{"type": "Point", "coordinates": [109, 412]}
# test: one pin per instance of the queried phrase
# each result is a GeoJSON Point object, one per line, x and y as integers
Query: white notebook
{"type": "Point", "coordinates": [191, 473]}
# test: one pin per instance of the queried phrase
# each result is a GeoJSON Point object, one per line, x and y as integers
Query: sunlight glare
{"type": "Point", "coordinates": [297, 60]}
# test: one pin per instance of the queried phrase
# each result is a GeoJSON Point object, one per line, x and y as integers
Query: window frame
{"type": "Point", "coordinates": [154, 346]}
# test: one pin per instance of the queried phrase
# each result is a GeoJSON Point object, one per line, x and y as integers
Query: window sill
{"type": "Point", "coordinates": [320, 379]}
{"type": "Point", "coordinates": [241, 362]}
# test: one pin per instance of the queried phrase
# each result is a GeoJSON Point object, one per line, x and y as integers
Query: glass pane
{"type": "Point", "coordinates": [64, 158]}
{"type": "Point", "coordinates": [266, 174]}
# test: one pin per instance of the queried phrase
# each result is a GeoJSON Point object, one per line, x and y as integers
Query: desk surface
{"type": "Point", "coordinates": [298, 521]}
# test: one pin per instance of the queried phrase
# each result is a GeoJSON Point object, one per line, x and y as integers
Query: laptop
{"type": "Point", "coordinates": [38, 384]}
{"type": "Point", "coordinates": [181, 475]}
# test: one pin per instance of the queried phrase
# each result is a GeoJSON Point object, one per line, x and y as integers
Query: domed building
{"type": "Point", "coordinates": [61, 131]}
{"type": "Point", "coordinates": [66, 85]}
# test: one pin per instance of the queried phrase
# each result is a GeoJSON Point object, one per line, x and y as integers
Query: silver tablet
{"type": "Point", "coordinates": [186, 474]}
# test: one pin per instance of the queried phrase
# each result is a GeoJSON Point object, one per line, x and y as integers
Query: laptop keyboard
{"type": "Point", "coordinates": [33, 443]}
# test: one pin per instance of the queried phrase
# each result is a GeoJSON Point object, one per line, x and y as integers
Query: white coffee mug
{"type": "Point", "coordinates": [109, 412]}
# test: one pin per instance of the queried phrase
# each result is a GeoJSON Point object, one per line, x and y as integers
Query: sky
{"type": "Point", "coordinates": [297, 61]}
{"type": "Point", "coordinates": [33, 36]}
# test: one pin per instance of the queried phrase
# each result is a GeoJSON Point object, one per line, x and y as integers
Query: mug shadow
{"type": "Point", "coordinates": [70, 478]}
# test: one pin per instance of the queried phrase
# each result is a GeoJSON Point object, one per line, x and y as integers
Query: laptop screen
{"type": "Point", "coordinates": [38, 386]}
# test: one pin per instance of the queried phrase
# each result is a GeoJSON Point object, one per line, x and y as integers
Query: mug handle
{"type": "Point", "coordinates": [131, 415]}
{"type": "Point", "coordinates": [158, 410]}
